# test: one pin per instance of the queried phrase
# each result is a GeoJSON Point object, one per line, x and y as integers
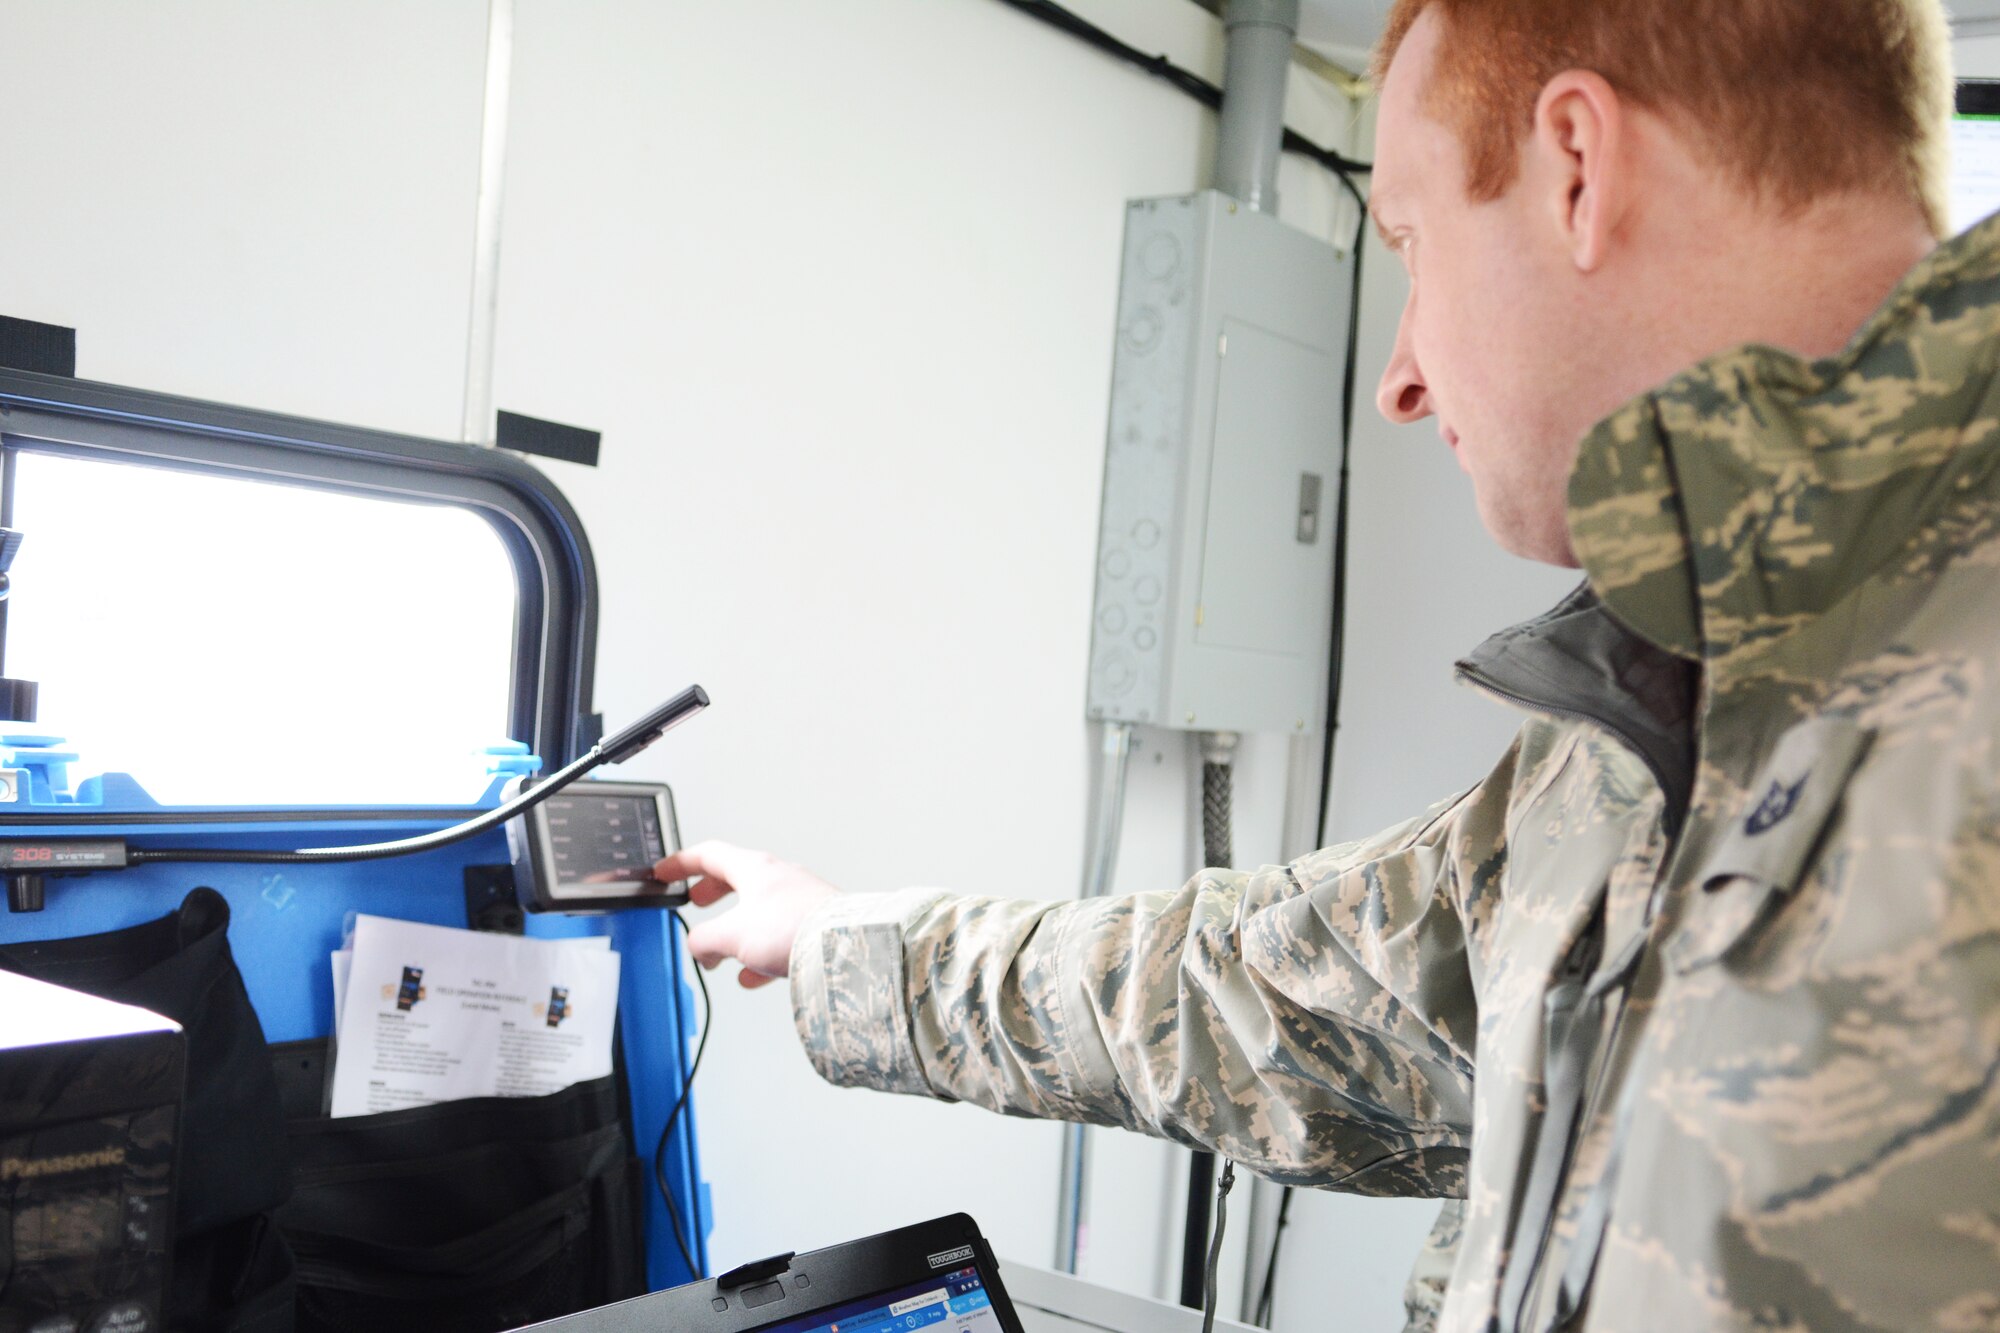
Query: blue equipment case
{"type": "Point", "coordinates": [286, 920]}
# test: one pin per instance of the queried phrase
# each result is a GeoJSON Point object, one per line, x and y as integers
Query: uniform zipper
{"type": "Point", "coordinates": [1618, 977]}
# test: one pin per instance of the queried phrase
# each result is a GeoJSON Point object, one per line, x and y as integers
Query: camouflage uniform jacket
{"type": "Point", "coordinates": [1696, 997]}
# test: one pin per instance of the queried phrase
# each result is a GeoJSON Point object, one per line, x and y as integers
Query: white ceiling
{"type": "Point", "coordinates": [1345, 29]}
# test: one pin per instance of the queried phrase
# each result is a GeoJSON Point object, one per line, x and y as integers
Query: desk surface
{"type": "Point", "coordinates": [1058, 1303]}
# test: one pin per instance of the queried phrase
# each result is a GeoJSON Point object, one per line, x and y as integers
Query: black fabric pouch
{"type": "Point", "coordinates": [464, 1217]}
{"type": "Point", "coordinates": [231, 1273]}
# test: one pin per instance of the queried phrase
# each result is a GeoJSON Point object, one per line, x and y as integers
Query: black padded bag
{"type": "Point", "coordinates": [231, 1272]}
{"type": "Point", "coordinates": [463, 1217]}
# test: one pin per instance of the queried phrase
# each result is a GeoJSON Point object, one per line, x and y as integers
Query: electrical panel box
{"type": "Point", "coordinates": [1215, 551]}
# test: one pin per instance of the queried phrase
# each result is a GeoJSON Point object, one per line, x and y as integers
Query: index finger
{"type": "Point", "coordinates": [705, 891]}
{"type": "Point", "coordinates": [722, 863]}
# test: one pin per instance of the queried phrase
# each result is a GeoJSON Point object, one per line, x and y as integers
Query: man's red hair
{"type": "Point", "coordinates": [1797, 99]}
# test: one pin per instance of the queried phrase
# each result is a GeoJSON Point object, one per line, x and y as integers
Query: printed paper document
{"type": "Point", "coordinates": [429, 1014]}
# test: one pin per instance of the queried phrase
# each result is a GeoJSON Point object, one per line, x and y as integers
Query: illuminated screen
{"type": "Point", "coordinates": [597, 839]}
{"type": "Point", "coordinates": [1975, 155]}
{"type": "Point", "coordinates": [948, 1303]}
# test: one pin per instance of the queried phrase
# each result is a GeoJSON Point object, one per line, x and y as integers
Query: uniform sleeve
{"type": "Point", "coordinates": [1424, 1292]}
{"type": "Point", "coordinates": [1313, 1022]}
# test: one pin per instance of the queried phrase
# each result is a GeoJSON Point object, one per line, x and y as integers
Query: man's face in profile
{"type": "Point", "coordinates": [1494, 339]}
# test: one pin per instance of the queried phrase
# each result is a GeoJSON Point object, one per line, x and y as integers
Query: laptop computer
{"type": "Point", "coordinates": [938, 1276]}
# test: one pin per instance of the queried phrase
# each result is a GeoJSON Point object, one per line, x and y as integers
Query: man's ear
{"type": "Point", "coordinates": [1580, 141]}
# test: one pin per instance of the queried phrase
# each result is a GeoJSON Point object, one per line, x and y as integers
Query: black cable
{"type": "Point", "coordinates": [1337, 641]}
{"type": "Point", "coordinates": [1186, 81]}
{"type": "Point", "coordinates": [1267, 1292]}
{"type": "Point", "coordinates": [1360, 199]}
{"type": "Point", "coordinates": [1215, 1249]}
{"type": "Point", "coordinates": [1336, 661]}
{"type": "Point", "coordinates": [666, 1131]}
{"type": "Point", "coordinates": [1195, 1237]}
{"type": "Point", "coordinates": [1345, 169]}
{"type": "Point", "coordinates": [1218, 852]}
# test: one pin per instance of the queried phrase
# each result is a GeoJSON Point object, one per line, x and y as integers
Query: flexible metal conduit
{"type": "Point", "coordinates": [1218, 852]}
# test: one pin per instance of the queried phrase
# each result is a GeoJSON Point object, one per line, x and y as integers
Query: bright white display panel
{"type": "Point", "coordinates": [238, 642]}
{"type": "Point", "coordinates": [1975, 170]}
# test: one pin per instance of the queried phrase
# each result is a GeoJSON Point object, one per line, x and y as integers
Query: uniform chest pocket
{"type": "Point", "coordinates": [1767, 849]}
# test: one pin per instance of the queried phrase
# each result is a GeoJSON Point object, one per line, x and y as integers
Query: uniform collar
{"type": "Point", "coordinates": [1724, 510]}
{"type": "Point", "coordinates": [1579, 663]}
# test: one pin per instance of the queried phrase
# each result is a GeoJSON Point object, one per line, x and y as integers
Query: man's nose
{"type": "Point", "coordinates": [1403, 396]}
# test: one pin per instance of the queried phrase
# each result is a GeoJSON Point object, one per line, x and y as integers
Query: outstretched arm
{"type": "Point", "coordinates": [1313, 1022]}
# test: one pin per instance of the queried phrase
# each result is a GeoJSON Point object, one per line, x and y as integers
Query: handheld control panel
{"type": "Point", "coordinates": [591, 848]}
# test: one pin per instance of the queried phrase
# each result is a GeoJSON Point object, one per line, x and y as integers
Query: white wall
{"type": "Point", "coordinates": [837, 281]}
{"type": "Point", "coordinates": [1978, 58]}
{"type": "Point", "coordinates": [265, 204]}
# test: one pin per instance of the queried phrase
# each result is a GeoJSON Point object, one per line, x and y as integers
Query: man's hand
{"type": "Point", "coordinates": [776, 896]}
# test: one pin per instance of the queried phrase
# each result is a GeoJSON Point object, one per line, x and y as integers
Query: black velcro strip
{"type": "Point", "coordinates": [48, 349]}
{"type": "Point", "coordinates": [548, 439]}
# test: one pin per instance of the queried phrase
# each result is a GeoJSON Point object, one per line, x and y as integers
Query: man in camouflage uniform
{"type": "Point", "coordinates": [1695, 999]}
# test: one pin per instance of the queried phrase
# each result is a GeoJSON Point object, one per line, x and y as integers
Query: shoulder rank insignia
{"type": "Point", "coordinates": [1777, 805]}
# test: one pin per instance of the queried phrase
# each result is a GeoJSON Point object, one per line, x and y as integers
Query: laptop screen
{"type": "Point", "coordinates": [1975, 154]}
{"type": "Point", "coordinates": [954, 1302]}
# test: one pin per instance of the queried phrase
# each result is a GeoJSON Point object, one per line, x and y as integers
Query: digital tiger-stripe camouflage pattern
{"type": "Point", "coordinates": [1695, 999]}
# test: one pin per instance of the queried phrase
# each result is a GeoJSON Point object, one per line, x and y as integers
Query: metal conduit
{"type": "Point", "coordinates": [1251, 137]}
{"type": "Point", "coordinates": [1100, 858]}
